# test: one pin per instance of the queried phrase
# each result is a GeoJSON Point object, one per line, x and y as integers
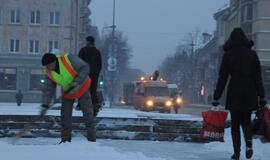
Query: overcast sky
{"type": "Point", "coordinates": [155, 27]}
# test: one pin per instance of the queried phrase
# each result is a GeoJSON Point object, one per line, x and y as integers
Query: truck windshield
{"type": "Point", "coordinates": [156, 91]}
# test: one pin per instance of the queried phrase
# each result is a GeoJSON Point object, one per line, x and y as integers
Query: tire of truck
{"type": "Point", "coordinates": [165, 111]}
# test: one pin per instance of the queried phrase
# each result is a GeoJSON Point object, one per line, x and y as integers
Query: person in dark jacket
{"type": "Point", "coordinates": [19, 97]}
{"type": "Point", "coordinates": [245, 88]}
{"type": "Point", "coordinates": [91, 55]}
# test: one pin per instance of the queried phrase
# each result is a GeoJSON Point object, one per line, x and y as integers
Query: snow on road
{"type": "Point", "coordinates": [261, 150]}
{"type": "Point", "coordinates": [123, 112]}
{"type": "Point", "coordinates": [80, 149]}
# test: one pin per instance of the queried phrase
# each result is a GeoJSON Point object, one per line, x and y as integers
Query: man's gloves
{"type": "Point", "coordinates": [73, 86]}
{"type": "Point", "coordinates": [262, 102]}
{"type": "Point", "coordinates": [96, 109]}
{"type": "Point", "coordinates": [215, 103]}
{"type": "Point", "coordinates": [45, 106]}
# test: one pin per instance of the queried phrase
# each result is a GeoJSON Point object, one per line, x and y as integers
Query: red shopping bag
{"type": "Point", "coordinates": [266, 119]}
{"type": "Point", "coordinates": [213, 125]}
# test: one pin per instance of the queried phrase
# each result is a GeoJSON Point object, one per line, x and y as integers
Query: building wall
{"type": "Point", "coordinates": [261, 30]}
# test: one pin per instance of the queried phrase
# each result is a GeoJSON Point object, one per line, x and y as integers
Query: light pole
{"type": "Point", "coordinates": [112, 58]}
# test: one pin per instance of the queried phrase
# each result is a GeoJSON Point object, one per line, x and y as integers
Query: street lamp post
{"type": "Point", "coordinates": [113, 57]}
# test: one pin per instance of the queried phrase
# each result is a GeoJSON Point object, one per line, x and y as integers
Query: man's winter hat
{"type": "Point", "coordinates": [48, 58]}
{"type": "Point", "coordinates": [90, 39]}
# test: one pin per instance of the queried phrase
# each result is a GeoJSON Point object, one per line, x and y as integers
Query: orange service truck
{"type": "Point", "coordinates": [148, 95]}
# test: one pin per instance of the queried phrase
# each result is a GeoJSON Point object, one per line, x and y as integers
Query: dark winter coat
{"type": "Point", "coordinates": [92, 56]}
{"type": "Point", "coordinates": [242, 65]}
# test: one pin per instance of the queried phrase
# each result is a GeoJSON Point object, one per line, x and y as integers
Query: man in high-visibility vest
{"type": "Point", "coordinates": [71, 73]}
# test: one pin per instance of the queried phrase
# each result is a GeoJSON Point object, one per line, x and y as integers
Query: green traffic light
{"type": "Point", "coordinates": [42, 81]}
{"type": "Point", "coordinates": [101, 83]}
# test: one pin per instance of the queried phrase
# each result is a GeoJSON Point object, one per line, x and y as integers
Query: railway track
{"type": "Point", "coordinates": [142, 128]}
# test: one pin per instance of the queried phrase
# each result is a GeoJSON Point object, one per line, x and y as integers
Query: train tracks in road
{"type": "Point", "coordinates": [141, 128]}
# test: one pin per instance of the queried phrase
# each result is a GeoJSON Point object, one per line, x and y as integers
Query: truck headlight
{"type": "Point", "coordinates": [149, 103]}
{"type": "Point", "coordinates": [179, 100]}
{"type": "Point", "coordinates": [168, 103]}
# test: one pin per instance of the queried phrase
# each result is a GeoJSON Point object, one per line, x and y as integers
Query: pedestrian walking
{"type": "Point", "coordinates": [245, 87]}
{"type": "Point", "coordinates": [71, 73]}
{"type": "Point", "coordinates": [91, 55]}
{"type": "Point", "coordinates": [19, 97]}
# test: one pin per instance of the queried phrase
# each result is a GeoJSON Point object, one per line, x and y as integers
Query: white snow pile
{"type": "Point", "coordinates": [261, 150]}
{"type": "Point", "coordinates": [80, 149]}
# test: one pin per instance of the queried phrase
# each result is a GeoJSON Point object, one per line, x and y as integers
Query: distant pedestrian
{"type": "Point", "coordinates": [71, 73]}
{"type": "Point", "coordinates": [242, 64]}
{"type": "Point", "coordinates": [91, 55]}
{"type": "Point", "coordinates": [19, 97]}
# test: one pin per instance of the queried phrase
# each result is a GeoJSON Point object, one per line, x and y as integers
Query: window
{"type": "Point", "coordinates": [249, 12]}
{"type": "Point", "coordinates": [54, 18]}
{"type": "Point", "coordinates": [14, 46]}
{"type": "Point", "coordinates": [53, 45]}
{"type": "Point", "coordinates": [35, 17]}
{"type": "Point", "coordinates": [246, 12]}
{"type": "Point", "coordinates": [34, 46]}
{"type": "Point", "coordinates": [36, 80]}
{"type": "Point", "coordinates": [8, 78]}
{"type": "Point", "coordinates": [15, 16]}
{"type": "Point", "coordinates": [243, 13]}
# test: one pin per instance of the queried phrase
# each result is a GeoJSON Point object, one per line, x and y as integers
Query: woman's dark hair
{"type": "Point", "coordinates": [236, 39]}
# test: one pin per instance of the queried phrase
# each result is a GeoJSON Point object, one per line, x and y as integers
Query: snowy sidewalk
{"type": "Point", "coordinates": [80, 149]}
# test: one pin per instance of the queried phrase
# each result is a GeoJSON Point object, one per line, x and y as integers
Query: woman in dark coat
{"type": "Point", "coordinates": [242, 65]}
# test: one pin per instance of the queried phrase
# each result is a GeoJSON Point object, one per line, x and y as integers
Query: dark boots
{"type": "Point", "coordinates": [236, 144]}
{"type": "Point", "coordinates": [235, 156]}
{"type": "Point", "coordinates": [249, 150]}
{"type": "Point", "coordinates": [65, 140]}
{"type": "Point", "coordinates": [91, 136]}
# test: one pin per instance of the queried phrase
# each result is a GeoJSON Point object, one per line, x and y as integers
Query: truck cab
{"type": "Point", "coordinates": [152, 96]}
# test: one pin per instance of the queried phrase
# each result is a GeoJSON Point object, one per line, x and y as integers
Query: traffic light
{"type": "Point", "coordinates": [42, 81]}
{"type": "Point", "coordinates": [101, 81]}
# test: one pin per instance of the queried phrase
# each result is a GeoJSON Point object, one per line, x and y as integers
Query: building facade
{"type": "Point", "coordinates": [30, 28]}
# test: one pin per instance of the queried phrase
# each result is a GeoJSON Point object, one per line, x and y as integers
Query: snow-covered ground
{"type": "Point", "coordinates": [124, 112]}
{"type": "Point", "coordinates": [80, 149]}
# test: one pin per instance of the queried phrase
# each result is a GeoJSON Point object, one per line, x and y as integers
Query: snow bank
{"type": "Point", "coordinates": [79, 149]}
{"type": "Point", "coordinates": [261, 151]}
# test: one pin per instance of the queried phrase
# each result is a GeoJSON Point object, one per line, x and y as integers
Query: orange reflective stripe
{"type": "Point", "coordinates": [83, 89]}
{"type": "Point", "coordinates": [67, 66]}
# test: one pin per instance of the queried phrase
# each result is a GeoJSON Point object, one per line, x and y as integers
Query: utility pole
{"type": "Point", "coordinates": [193, 92]}
{"type": "Point", "coordinates": [112, 60]}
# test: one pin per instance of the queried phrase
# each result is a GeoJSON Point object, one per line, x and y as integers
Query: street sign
{"type": "Point", "coordinates": [112, 62]}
